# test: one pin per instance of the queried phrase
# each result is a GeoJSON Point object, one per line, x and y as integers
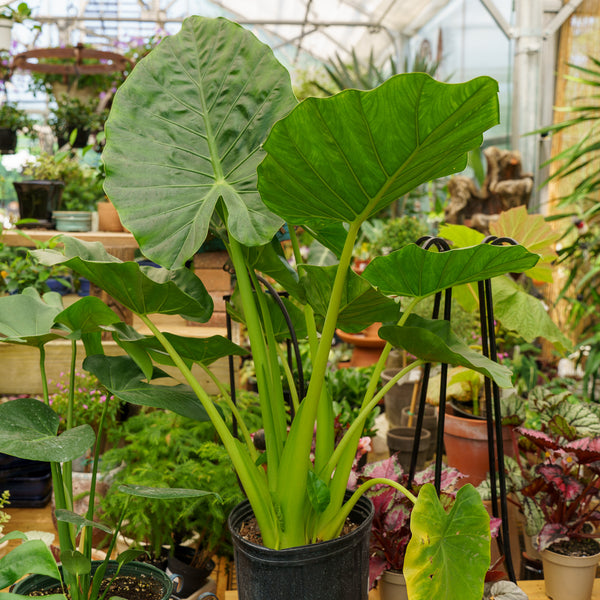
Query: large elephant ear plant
{"type": "Point", "coordinates": [187, 132]}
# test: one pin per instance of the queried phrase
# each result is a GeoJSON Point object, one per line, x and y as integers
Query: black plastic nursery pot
{"type": "Point", "coordinates": [155, 577]}
{"type": "Point", "coordinates": [179, 568]}
{"type": "Point", "coordinates": [8, 140]}
{"type": "Point", "coordinates": [333, 570]}
{"type": "Point", "coordinates": [38, 200]}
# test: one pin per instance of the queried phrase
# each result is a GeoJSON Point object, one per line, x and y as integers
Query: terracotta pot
{"type": "Point", "coordinates": [367, 346]}
{"type": "Point", "coordinates": [400, 441]}
{"type": "Point", "coordinates": [569, 577]}
{"type": "Point", "coordinates": [392, 586]}
{"type": "Point", "coordinates": [466, 444]}
{"type": "Point", "coordinates": [397, 397]}
{"type": "Point", "coordinates": [108, 217]}
{"type": "Point", "coordinates": [430, 422]}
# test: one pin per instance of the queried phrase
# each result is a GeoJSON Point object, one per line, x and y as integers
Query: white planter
{"type": "Point", "coordinates": [569, 577]}
{"type": "Point", "coordinates": [392, 586]}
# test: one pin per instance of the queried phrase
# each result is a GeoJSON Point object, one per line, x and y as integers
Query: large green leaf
{"type": "Point", "coordinates": [28, 429]}
{"type": "Point", "coordinates": [123, 378]}
{"type": "Point", "coordinates": [199, 350]}
{"type": "Point", "coordinates": [142, 289]}
{"type": "Point", "coordinates": [432, 272]}
{"type": "Point", "coordinates": [32, 556]}
{"type": "Point", "coordinates": [185, 131]}
{"type": "Point", "coordinates": [349, 156]}
{"type": "Point", "coordinates": [449, 553]}
{"type": "Point", "coordinates": [361, 306]}
{"type": "Point", "coordinates": [27, 318]}
{"type": "Point", "coordinates": [434, 341]}
{"type": "Point", "coordinates": [87, 315]}
{"type": "Point", "coordinates": [524, 314]}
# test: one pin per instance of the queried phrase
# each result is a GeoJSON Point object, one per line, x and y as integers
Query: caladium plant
{"type": "Point", "coordinates": [205, 134]}
{"type": "Point", "coordinates": [390, 529]}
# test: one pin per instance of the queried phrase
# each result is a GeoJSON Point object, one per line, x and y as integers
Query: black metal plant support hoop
{"type": "Point", "coordinates": [492, 393]}
{"type": "Point", "coordinates": [293, 349]}
{"type": "Point", "coordinates": [492, 399]}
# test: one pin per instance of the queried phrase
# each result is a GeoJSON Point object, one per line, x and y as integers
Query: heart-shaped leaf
{"type": "Point", "coordinates": [27, 318]}
{"type": "Point", "coordinates": [434, 341]}
{"type": "Point", "coordinates": [449, 553]}
{"type": "Point", "coordinates": [123, 378]}
{"type": "Point", "coordinates": [87, 315]}
{"type": "Point", "coordinates": [185, 133]}
{"type": "Point", "coordinates": [336, 159]}
{"type": "Point", "coordinates": [28, 429]}
{"type": "Point", "coordinates": [32, 556]}
{"type": "Point", "coordinates": [75, 562]}
{"type": "Point", "coordinates": [142, 289]}
{"type": "Point", "coordinates": [433, 272]}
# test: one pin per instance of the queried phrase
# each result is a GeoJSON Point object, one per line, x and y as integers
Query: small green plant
{"type": "Point", "coordinates": [19, 269]}
{"type": "Point", "coordinates": [15, 118]}
{"type": "Point", "coordinates": [18, 14]}
{"type": "Point", "coordinates": [398, 233]}
{"type": "Point", "coordinates": [73, 113]}
{"type": "Point", "coordinates": [4, 517]}
{"type": "Point", "coordinates": [83, 184]}
{"type": "Point", "coordinates": [163, 449]}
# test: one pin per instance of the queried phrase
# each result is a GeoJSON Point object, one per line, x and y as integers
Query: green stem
{"type": "Point", "coordinates": [334, 527]}
{"type": "Point", "coordinates": [358, 423]}
{"type": "Point", "coordinates": [294, 463]}
{"type": "Point", "coordinates": [234, 410]}
{"type": "Point", "coordinates": [253, 478]}
{"type": "Point", "coordinates": [274, 432]}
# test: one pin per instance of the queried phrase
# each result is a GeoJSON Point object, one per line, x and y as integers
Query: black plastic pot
{"type": "Point", "coordinates": [28, 481]}
{"type": "Point", "coordinates": [333, 570]}
{"type": "Point", "coordinates": [178, 567]}
{"type": "Point", "coordinates": [38, 199]}
{"type": "Point", "coordinates": [36, 583]}
{"type": "Point", "coordinates": [81, 138]}
{"type": "Point", "coordinates": [8, 140]}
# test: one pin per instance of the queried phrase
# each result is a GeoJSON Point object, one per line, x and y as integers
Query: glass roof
{"type": "Point", "coordinates": [296, 29]}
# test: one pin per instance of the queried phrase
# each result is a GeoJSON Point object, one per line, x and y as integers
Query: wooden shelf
{"type": "Point", "coordinates": [110, 239]}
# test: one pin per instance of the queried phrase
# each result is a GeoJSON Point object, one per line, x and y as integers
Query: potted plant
{"type": "Point", "coordinates": [63, 185]}
{"type": "Point", "coordinates": [169, 200]}
{"type": "Point", "coordinates": [33, 320]}
{"type": "Point", "coordinates": [41, 194]}
{"type": "Point", "coordinates": [163, 449]}
{"type": "Point", "coordinates": [73, 114]}
{"type": "Point", "coordinates": [390, 530]}
{"type": "Point", "coordinates": [553, 478]}
{"type": "Point", "coordinates": [12, 119]}
{"type": "Point", "coordinates": [563, 492]}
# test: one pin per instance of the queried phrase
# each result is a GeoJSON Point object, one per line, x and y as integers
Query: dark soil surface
{"type": "Point", "coordinates": [251, 532]}
{"type": "Point", "coordinates": [124, 586]}
{"type": "Point", "coordinates": [576, 547]}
